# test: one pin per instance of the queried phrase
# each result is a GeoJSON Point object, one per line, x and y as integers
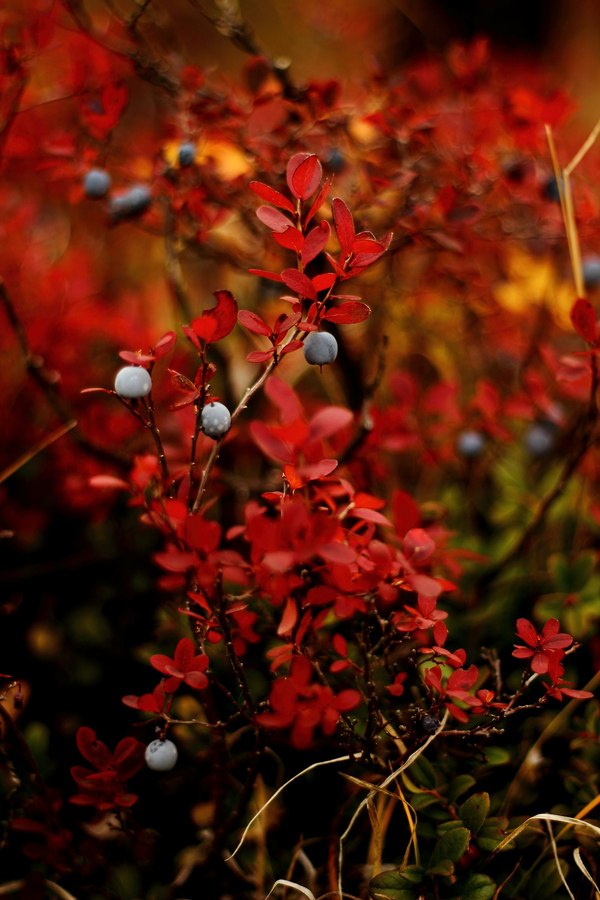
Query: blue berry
{"type": "Point", "coordinates": [336, 160]}
{"type": "Point", "coordinates": [590, 267]}
{"type": "Point", "coordinates": [550, 190]}
{"type": "Point", "coordinates": [161, 755]}
{"type": "Point", "coordinates": [131, 203]}
{"type": "Point", "coordinates": [430, 724]}
{"type": "Point", "coordinates": [470, 444]}
{"type": "Point", "coordinates": [216, 420]}
{"type": "Point", "coordinates": [186, 154]}
{"type": "Point", "coordinates": [132, 382]}
{"type": "Point", "coordinates": [96, 183]}
{"type": "Point", "coordinates": [540, 437]}
{"type": "Point", "coordinates": [320, 348]}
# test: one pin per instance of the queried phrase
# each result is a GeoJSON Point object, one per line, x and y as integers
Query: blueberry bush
{"type": "Point", "coordinates": [300, 473]}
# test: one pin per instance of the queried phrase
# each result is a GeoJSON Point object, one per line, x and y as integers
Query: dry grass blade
{"type": "Point", "coordinates": [545, 817]}
{"type": "Point", "coordinates": [37, 448]}
{"type": "Point", "coordinates": [283, 882]}
{"type": "Point", "coordinates": [557, 861]}
{"type": "Point", "coordinates": [324, 762]}
{"type": "Point", "coordinates": [54, 890]}
{"type": "Point", "coordinates": [583, 868]}
{"type": "Point", "coordinates": [405, 765]}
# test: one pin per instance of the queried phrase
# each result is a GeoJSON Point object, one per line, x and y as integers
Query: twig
{"type": "Point", "coordinates": [230, 23]}
{"type": "Point", "coordinates": [37, 448]}
{"type": "Point", "coordinates": [138, 14]}
{"type": "Point", "coordinates": [587, 145]}
{"type": "Point", "coordinates": [146, 66]}
{"type": "Point", "coordinates": [214, 453]}
{"type": "Point", "coordinates": [365, 425]}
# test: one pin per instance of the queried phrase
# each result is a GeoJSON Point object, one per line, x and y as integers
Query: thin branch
{"type": "Point", "coordinates": [37, 448]}
{"type": "Point", "coordinates": [365, 423]}
{"type": "Point", "coordinates": [585, 147]}
{"type": "Point", "coordinates": [229, 22]}
{"type": "Point", "coordinates": [138, 15]}
{"type": "Point", "coordinates": [145, 65]}
{"type": "Point", "coordinates": [214, 453]}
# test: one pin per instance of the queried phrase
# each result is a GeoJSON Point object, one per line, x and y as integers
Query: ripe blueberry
{"type": "Point", "coordinates": [550, 190]}
{"type": "Point", "coordinates": [430, 723]}
{"type": "Point", "coordinates": [320, 348]}
{"type": "Point", "coordinates": [186, 155]}
{"type": "Point", "coordinates": [470, 444]}
{"type": "Point", "coordinates": [336, 160]}
{"type": "Point", "coordinates": [133, 382]}
{"type": "Point", "coordinates": [96, 183]}
{"type": "Point", "coordinates": [161, 755]}
{"type": "Point", "coordinates": [131, 203]}
{"type": "Point", "coordinates": [216, 420]}
{"type": "Point", "coordinates": [590, 267]}
{"type": "Point", "coordinates": [539, 438]}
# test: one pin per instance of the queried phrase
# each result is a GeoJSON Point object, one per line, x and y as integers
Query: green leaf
{"type": "Point", "coordinates": [423, 773]}
{"type": "Point", "coordinates": [448, 825]}
{"type": "Point", "coordinates": [572, 576]}
{"type": "Point", "coordinates": [398, 884]}
{"type": "Point", "coordinates": [443, 867]}
{"type": "Point", "coordinates": [492, 833]}
{"type": "Point", "coordinates": [497, 756]}
{"type": "Point", "coordinates": [422, 801]}
{"type": "Point", "coordinates": [477, 887]}
{"type": "Point", "coordinates": [459, 785]}
{"type": "Point", "coordinates": [474, 811]}
{"type": "Point", "coordinates": [450, 846]}
{"type": "Point", "coordinates": [546, 881]}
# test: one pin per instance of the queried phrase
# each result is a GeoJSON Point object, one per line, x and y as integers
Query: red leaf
{"type": "Point", "coordinates": [405, 512]}
{"type": "Point", "coordinates": [175, 560]}
{"type": "Point", "coordinates": [279, 560]}
{"type": "Point", "coordinates": [259, 356]}
{"type": "Point", "coordinates": [183, 384]}
{"type": "Point", "coordinates": [285, 399]}
{"type": "Point", "coordinates": [318, 201]}
{"type": "Point", "coordinates": [325, 281]}
{"type": "Point", "coordinates": [135, 357]}
{"type": "Point", "coordinates": [108, 481]}
{"type": "Point", "coordinates": [337, 553]}
{"type": "Point", "coordinates": [299, 282]}
{"type": "Point", "coordinates": [272, 276]}
{"type": "Point", "coordinates": [271, 195]}
{"type": "Point", "coordinates": [583, 317]}
{"type": "Point", "coordinates": [165, 344]}
{"type": "Point", "coordinates": [348, 313]}
{"type": "Point", "coordinates": [273, 219]}
{"type": "Point", "coordinates": [270, 444]}
{"type": "Point", "coordinates": [303, 175]}
{"type": "Point", "coordinates": [290, 347]}
{"type": "Point", "coordinates": [344, 225]}
{"type": "Point", "coordinates": [289, 617]}
{"type": "Point", "coordinates": [92, 749]}
{"type": "Point", "coordinates": [315, 241]}
{"type": "Point", "coordinates": [216, 323]}
{"type": "Point", "coordinates": [369, 515]}
{"type": "Point", "coordinates": [253, 322]}
{"type": "Point", "coordinates": [347, 699]}
{"type": "Point", "coordinates": [291, 239]}
{"type": "Point", "coordinates": [424, 585]}
{"type": "Point", "coordinates": [298, 476]}
{"type": "Point", "coordinates": [284, 322]}
{"type": "Point", "coordinates": [328, 421]}
{"type": "Point", "coordinates": [417, 545]}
